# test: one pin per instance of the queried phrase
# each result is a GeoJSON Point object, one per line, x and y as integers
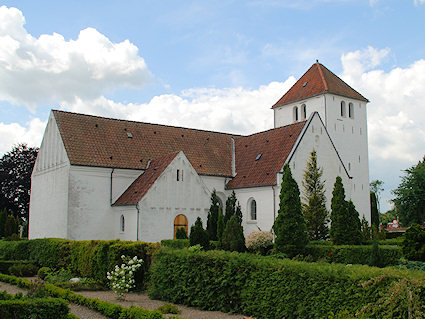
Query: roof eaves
{"type": "Point", "coordinates": [296, 101]}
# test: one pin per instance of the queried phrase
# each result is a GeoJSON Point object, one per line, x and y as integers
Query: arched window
{"type": "Point", "coordinates": [343, 111]}
{"type": "Point", "coordinates": [253, 210]}
{"type": "Point", "coordinates": [350, 110]}
{"type": "Point", "coordinates": [295, 111]}
{"type": "Point", "coordinates": [122, 223]}
{"type": "Point", "coordinates": [303, 112]}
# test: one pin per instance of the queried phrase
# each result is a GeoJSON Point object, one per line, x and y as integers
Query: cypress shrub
{"type": "Point", "coordinates": [290, 227]}
{"type": "Point", "coordinates": [10, 226]}
{"type": "Point", "coordinates": [198, 235]}
{"type": "Point", "coordinates": [181, 233]}
{"type": "Point", "coordinates": [413, 245]}
{"type": "Point", "coordinates": [213, 217]}
{"type": "Point", "coordinates": [233, 238]}
{"type": "Point", "coordinates": [220, 226]}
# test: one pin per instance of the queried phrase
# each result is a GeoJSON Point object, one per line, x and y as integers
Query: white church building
{"type": "Point", "coordinates": [103, 178]}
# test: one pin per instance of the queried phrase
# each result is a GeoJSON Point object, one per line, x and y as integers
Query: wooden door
{"type": "Point", "coordinates": [180, 221]}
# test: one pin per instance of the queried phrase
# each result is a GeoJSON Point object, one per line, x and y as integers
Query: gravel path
{"type": "Point", "coordinates": [136, 299]}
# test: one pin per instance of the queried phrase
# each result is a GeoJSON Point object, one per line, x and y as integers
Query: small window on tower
{"type": "Point", "coordinates": [351, 110]}
{"type": "Point", "coordinates": [178, 175]}
{"type": "Point", "coordinates": [122, 223]}
{"type": "Point", "coordinates": [303, 112]}
{"type": "Point", "coordinates": [343, 111]}
{"type": "Point", "coordinates": [295, 111]}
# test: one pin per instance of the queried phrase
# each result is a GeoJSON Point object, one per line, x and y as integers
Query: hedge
{"type": "Point", "coordinates": [354, 254]}
{"type": "Point", "coordinates": [38, 308]}
{"type": "Point", "coordinates": [6, 264]}
{"type": "Point", "coordinates": [110, 310]}
{"type": "Point", "coordinates": [175, 243]}
{"type": "Point", "coordinates": [85, 258]}
{"type": "Point", "coordinates": [266, 287]}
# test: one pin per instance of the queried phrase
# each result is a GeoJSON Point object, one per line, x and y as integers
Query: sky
{"type": "Point", "coordinates": [217, 65]}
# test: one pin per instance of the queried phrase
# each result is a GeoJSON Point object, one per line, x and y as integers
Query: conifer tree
{"type": "Point", "coordinates": [11, 226]}
{"type": "Point", "coordinates": [345, 222]}
{"type": "Point", "coordinates": [374, 210]}
{"type": "Point", "coordinates": [220, 225]}
{"type": "Point", "coordinates": [198, 235]}
{"type": "Point", "coordinates": [213, 216]}
{"type": "Point", "coordinates": [181, 233]}
{"type": "Point", "coordinates": [3, 216]}
{"type": "Point", "coordinates": [289, 227]}
{"type": "Point", "coordinates": [233, 238]}
{"type": "Point", "coordinates": [314, 209]}
{"type": "Point", "coordinates": [365, 229]}
{"type": "Point", "coordinates": [232, 208]}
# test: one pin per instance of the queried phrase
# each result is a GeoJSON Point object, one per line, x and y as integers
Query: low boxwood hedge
{"type": "Point", "coordinates": [38, 308]}
{"type": "Point", "coordinates": [84, 258]}
{"type": "Point", "coordinates": [108, 309]}
{"type": "Point", "coordinates": [266, 287]}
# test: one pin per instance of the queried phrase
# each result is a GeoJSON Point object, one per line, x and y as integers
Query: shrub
{"type": "Point", "coordinates": [266, 287]}
{"type": "Point", "coordinates": [175, 243]}
{"type": "Point", "coordinates": [23, 270]}
{"type": "Point", "coordinates": [122, 277]}
{"type": "Point", "coordinates": [168, 308]}
{"type": "Point", "coordinates": [43, 272]}
{"type": "Point", "coordinates": [259, 242]}
{"type": "Point", "coordinates": [413, 245]}
{"type": "Point", "coordinates": [233, 238]}
{"type": "Point", "coordinates": [198, 235]}
{"type": "Point", "coordinates": [10, 226]}
{"type": "Point", "coordinates": [181, 233]}
{"type": "Point", "coordinates": [6, 264]}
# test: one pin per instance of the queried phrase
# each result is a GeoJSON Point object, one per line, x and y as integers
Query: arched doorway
{"type": "Point", "coordinates": [180, 221]}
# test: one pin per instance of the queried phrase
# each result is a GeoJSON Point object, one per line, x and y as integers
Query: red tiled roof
{"type": "Point", "coordinates": [274, 146]}
{"type": "Point", "coordinates": [104, 142]}
{"type": "Point", "coordinates": [143, 183]}
{"type": "Point", "coordinates": [318, 79]}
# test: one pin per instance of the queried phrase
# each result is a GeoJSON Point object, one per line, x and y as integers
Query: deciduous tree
{"type": "Point", "coordinates": [410, 195]}
{"type": "Point", "coordinates": [15, 184]}
{"type": "Point", "coordinates": [290, 227]}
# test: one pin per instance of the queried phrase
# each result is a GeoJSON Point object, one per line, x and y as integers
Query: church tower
{"type": "Point", "coordinates": [343, 112]}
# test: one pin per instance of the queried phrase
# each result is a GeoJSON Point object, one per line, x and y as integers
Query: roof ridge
{"type": "Point", "coordinates": [140, 122]}
{"type": "Point", "coordinates": [322, 75]}
{"type": "Point", "coordinates": [274, 128]}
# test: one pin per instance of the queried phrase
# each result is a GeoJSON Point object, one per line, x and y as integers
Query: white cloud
{"type": "Point", "coordinates": [13, 134]}
{"type": "Point", "coordinates": [417, 2]}
{"type": "Point", "coordinates": [234, 110]}
{"type": "Point", "coordinates": [49, 68]}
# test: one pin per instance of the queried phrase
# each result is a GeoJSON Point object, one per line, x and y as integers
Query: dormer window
{"type": "Point", "coordinates": [295, 113]}
{"type": "Point", "coordinates": [343, 110]}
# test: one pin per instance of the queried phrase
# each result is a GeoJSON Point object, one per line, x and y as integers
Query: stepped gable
{"type": "Point", "coordinates": [144, 182]}
{"type": "Point", "coordinates": [317, 80]}
{"type": "Point", "coordinates": [260, 156]}
{"type": "Point", "coordinates": [105, 142]}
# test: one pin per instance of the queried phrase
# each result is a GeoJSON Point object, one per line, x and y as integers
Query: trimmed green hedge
{"type": "Point", "coordinates": [175, 243]}
{"type": "Point", "coordinates": [6, 264]}
{"type": "Point", "coordinates": [266, 287]}
{"type": "Point", "coordinates": [354, 254]}
{"type": "Point", "coordinates": [108, 309]}
{"type": "Point", "coordinates": [38, 308]}
{"type": "Point", "coordinates": [85, 258]}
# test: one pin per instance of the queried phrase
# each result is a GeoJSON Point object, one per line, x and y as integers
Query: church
{"type": "Point", "coordinates": [103, 178]}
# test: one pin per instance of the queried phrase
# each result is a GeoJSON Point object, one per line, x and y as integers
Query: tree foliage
{"type": "Point", "coordinates": [290, 227]}
{"type": "Point", "coordinates": [15, 178]}
{"type": "Point", "coordinates": [232, 209]}
{"type": "Point", "coordinates": [181, 233]}
{"type": "Point", "coordinates": [198, 235]}
{"type": "Point", "coordinates": [233, 238]}
{"type": "Point", "coordinates": [314, 209]}
{"type": "Point", "coordinates": [376, 187]}
{"type": "Point", "coordinates": [410, 195]}
{"type": "Point", "coordinates": [220, 225]}
{"type": "Point", "coordinates": [413, 245]}
{"type": "Point", "coordinates": [11, 226]}
{"type": "Point", "coordinates": [3, 216]}
{"type": "Point", "coordinates": [374, 213]}
{"type": "Point", "coordinates": [345, 222]}
{"type": "Point", "coordinates": [213, 217]}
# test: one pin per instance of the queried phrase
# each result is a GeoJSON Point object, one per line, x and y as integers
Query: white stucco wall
{"type": "Point", "coordinates": [168, 198]}
{"type": "Point", "coordinates": [48, 214]}
{"type": "Point", "coordinates": [349, 136]}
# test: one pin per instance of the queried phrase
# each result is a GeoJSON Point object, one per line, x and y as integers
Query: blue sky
{"type": "Point", "coordinates": [213, 64]}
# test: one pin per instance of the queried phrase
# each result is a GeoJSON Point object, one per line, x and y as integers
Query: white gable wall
{"type": "Point", "coordinates": [48, 215]}
{"type": "Point", "coordinates": [168, 198]}
{"type": "Point", "coordinates": [316, 138]}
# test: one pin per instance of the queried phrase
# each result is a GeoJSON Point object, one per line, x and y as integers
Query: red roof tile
{"type": "Point", "coordinates": [271, 148]}
{"type": "Point", "coordinates": [318, 79]}
{"type": "Point", "coordinates": [144, 182]}
{"type": "Point", "coordinates": [104, 142]}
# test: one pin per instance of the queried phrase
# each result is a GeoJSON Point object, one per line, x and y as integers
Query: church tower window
{"type": "Point", "coordinates": [351, 110]}
{"type": "Point", "coordinates": [303, 112]}
{"type": "Point", "coordinates": [295, 111]}
{"type": "Point", "coordinates": [122, 223]}
{"type": "Point", "coordinates": [343, 111]}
